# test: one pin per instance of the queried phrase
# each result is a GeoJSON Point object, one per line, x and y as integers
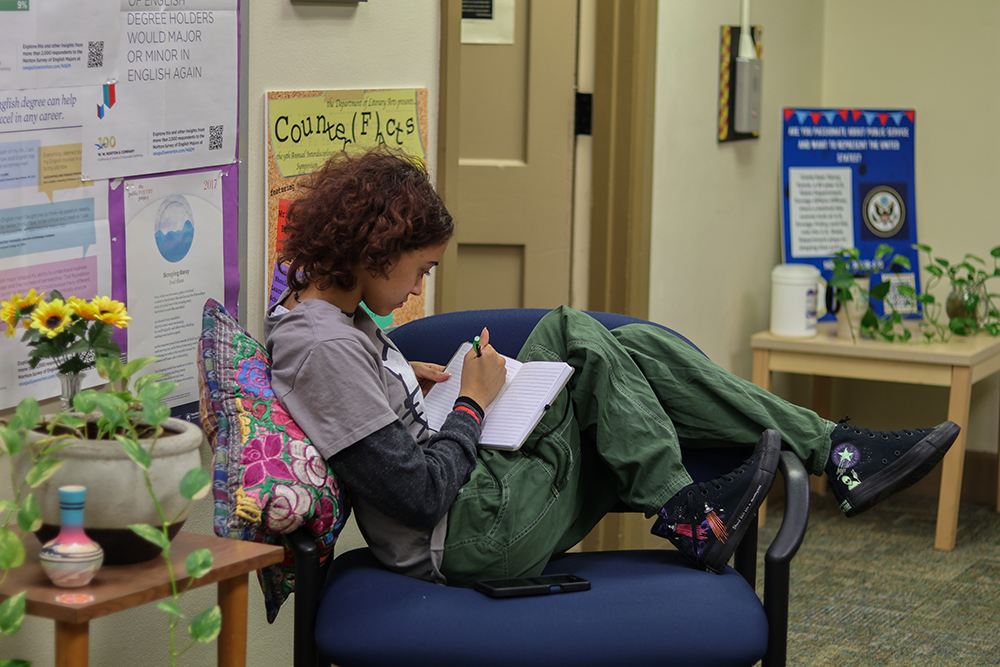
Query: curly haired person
{"type": "Point", "coordinates": [433, 505]}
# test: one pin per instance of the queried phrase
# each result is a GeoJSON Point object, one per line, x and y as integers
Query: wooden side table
{"type": "Point", "coordinates": [120, 587]}
{"type": "Point", "coordinates": [957, 364]}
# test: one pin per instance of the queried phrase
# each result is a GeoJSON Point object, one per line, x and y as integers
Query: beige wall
{"type": "Point", "coordinates": [716, 213]}
{"type": "Point", "coordinates": [715, 231]}
{"type": "Point", "coordinates": [940, 59]}
{"type": "Point", "coordinates": [380, 44]}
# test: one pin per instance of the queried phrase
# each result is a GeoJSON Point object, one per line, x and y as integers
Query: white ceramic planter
{"type": "Point", "coordinates": [116, 492]}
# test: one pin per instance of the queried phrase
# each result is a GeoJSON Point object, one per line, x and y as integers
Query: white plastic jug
{"type": "Point", "coordinates": [794, 288]}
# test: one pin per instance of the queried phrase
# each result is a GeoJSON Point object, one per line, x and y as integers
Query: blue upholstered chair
{"type": "Point", "coordinates": [646, 607]}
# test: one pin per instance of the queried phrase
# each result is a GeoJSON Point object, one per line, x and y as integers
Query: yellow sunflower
{"type": "Point", "coordinates": [29, 300]}
{"type": "Point", "coordinates": [110, 311]}
{"type": "Point", "coordinates": [51, 317]}
{"type": "Point", "coordinates": [8, 315]}
{"type": "Point", "coordinates": [83, 308]}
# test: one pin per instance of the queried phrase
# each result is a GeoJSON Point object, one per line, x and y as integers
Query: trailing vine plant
{"type": "Point", "coordinates": [127, 415]}
{"type": "Point", "coordinates": [970, 308]}
{"type": "Point", "coordinates": [848, 267]}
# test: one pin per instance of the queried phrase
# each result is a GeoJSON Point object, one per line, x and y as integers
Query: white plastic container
{"type": "Point", "coordinates": [794, 289]}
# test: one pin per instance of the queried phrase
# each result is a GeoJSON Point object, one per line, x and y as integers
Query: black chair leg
{"type": "Point", "coordinates": [745, 558]}
{"type": "Point", "coordinates": [308, 586]}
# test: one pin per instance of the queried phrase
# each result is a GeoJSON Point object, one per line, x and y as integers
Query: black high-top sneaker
{"type": "Point", "coordinates": [866, 466]}
{"type": "Point", "coordinates": [706, 520]}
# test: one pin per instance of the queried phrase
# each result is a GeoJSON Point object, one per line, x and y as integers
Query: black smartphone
{"type": "Point", "coordinates": [545, 584]}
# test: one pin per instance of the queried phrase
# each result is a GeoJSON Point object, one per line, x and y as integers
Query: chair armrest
{"type": "Point", "coordinates": [309, 579]}
{"type": "Point", "coordinates": [777, 560]}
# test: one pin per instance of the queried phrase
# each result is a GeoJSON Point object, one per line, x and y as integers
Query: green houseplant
{"type": "Point", "coordinates": [850, 284]}
{"type": "Point", "coordinates": [969, 306]}
{"type": "Point", "coordinates": [132, 415]}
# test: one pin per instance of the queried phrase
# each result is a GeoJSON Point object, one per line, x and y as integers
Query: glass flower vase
{"type": "Point", "coordinates": [71, 559]}
{"type": "Point", "coordinates": [69, 386]}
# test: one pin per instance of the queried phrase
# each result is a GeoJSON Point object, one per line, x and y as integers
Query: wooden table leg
{"type": "Point", "coordinates": [998, 478]}
{"type": "Point", "coordinates": [954, 460]}
{"type": "Point", "coordinates": [233, 598]}
{"type": "Point", "coordinates": [72, 644]}
{"type": "Point", "coordinates": [761, 376]}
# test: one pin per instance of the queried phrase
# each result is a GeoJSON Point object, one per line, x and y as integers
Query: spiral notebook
{"type": "Point", "coordinates": [511, 417]}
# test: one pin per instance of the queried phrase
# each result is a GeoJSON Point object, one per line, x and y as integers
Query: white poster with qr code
{"type": "Point", "coordinates": [173, 104]}
{"type": "Point", "coordinates": [45, 45]}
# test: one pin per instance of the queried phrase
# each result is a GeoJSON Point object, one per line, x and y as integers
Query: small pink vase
{"type": "Point", "coordinates": [71, 559]}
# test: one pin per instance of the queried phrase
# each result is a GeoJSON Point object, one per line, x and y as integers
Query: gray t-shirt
{"type": "Point", "coordinates": [372, 386]}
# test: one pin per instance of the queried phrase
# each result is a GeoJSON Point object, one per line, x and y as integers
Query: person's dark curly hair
{"type": "Point", "coordinates": [361, 210]}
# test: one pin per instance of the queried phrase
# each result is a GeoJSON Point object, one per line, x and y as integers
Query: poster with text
{"type": "Point", "coordinates": [848, 182]}
{"type": "Point", "coordinates": [174, 103]}
{"type": "Point", "coordinates": [174, 250]}
{"type": "Point", "coordinates": [54, 235]}
{"type": "Point", "coordinates": [46, 44]}
{"type": "Point", "coordinates": [304, 128]}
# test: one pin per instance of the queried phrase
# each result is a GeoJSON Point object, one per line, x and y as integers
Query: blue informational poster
{"type": "Point", "coordinates": [848, 182]}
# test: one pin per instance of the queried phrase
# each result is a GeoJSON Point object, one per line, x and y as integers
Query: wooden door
{"type": "Point", "coordinates": [510, 110]}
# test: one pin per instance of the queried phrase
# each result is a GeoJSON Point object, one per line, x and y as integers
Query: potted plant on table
{"type": "Point", "coordinates": [969, 306]}
{"type": "Point", "coordinates": [850, 287]}
{"type": "Point", "coordinates": [147, 495]}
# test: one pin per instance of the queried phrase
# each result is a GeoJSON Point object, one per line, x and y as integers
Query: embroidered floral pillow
{"type": "Point", "coordinates": [269, 479]}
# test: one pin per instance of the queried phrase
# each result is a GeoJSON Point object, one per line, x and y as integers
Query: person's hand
{"type": "Point", "coordinates": [483, 376]}
{"type": "Point", "coordinates": [428, 375]}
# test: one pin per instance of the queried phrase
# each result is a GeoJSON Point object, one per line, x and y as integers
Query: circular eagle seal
{"type": "Point", "coordinates": [884, 211]}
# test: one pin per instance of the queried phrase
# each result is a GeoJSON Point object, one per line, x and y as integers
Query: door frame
{"type": "Point", "coordinates": [624, 101]}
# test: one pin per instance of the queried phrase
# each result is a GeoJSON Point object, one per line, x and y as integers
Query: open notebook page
{"type": "Point", "coordinates": [441, 399]}
{"type": "Point", "coordinates": [518, 407]}
{"type": "Point", "coordinates": [512, 417]}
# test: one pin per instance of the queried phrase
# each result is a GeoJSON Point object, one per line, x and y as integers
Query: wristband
{"type": "Point", "coordinates": [472, 412]}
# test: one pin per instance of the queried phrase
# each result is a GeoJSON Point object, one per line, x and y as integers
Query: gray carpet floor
{"type": "Point", "coordinates": [873, 591]}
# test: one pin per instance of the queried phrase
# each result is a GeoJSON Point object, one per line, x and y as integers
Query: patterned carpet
{"type": "Point", "coordinates": [872, 590]}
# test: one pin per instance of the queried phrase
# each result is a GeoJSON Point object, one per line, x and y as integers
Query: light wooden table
{"type": "Point", "coordinates": [957, 364]}
{"type": "Point", "coordinates": [120, 587]}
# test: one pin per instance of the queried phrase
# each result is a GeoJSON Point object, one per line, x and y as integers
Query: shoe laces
{"type": "Point", "coordinates": [716, 483]}
{"type": "Point", "coordinates": [884, 435]}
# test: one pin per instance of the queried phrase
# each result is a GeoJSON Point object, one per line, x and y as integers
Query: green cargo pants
{"type": "Point", "coordinates": [637, 393]}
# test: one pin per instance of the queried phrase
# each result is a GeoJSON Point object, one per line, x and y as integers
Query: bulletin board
{"type": "Point", "coordinates": [119, 172]}
{"type": "Point", "coordinates": [848, 182]}
{"type": "Point", "coordinates": [306, 127]}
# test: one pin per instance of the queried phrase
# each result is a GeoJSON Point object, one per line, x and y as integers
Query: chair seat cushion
{"type": "Point", "coordinates": [645, 607]}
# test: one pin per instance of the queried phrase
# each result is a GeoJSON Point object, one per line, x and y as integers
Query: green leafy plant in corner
{"type": "Point", "coordinates": [130, 412]}
{"type": "Point", "coordinates": [23, 509]}
{"type": "Point", "coordinates": [848, 267]}
{"type": "Point", "coordinates": [970, 307]}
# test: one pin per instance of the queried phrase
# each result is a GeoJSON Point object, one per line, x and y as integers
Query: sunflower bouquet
{"type": "Point", "coordinates": [73, 332]}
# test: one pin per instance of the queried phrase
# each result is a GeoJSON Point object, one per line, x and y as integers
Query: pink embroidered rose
{"type": "Point", "coordinates": [324, 519]}
{"type": "Point", "coordinates": [282, 418]}
{"type": "Point", "coordinates": [290, 505]}
{"type": "Point", "coordinates": [307, 465]}
{"type": "Point", "coordinates": [262, 459]}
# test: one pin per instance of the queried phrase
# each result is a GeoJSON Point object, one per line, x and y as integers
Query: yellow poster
{"type": "Point", "coordinates": [306, 127]}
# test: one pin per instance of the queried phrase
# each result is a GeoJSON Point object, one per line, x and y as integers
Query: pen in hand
{"type": "Point", "coordinates": [475, 346]}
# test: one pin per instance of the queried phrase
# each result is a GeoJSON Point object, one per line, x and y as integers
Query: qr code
{"type": "Point", "coordinates": [95, 54]}
{"type": "Point", "coordinates": [215, 137]}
